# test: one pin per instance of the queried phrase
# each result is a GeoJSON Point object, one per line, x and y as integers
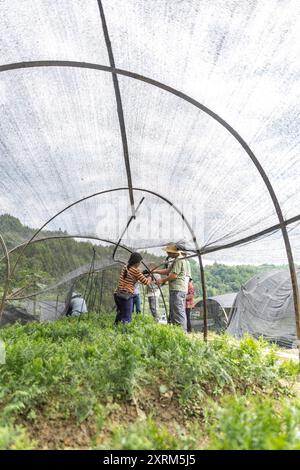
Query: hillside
{"type": "Point", "coordinates": [15, 233]}
{"type": "Point", "coordinates": [87, 384]}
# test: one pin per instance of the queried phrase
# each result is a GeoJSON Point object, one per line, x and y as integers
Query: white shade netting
{"type": "Point", "coordinates": [60, 138]}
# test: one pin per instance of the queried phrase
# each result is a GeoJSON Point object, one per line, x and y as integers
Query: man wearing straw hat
{"type": "Point", "coordinates": [176, 277]}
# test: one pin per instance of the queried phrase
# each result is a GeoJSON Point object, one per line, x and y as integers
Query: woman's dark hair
{"type": "Point", "coordinates": [134, 259]}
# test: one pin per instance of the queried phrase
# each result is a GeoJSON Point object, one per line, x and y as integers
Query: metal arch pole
{"type": "Point", "coordinates": [201, 269]}
{"type": "Point", "coordinates": [189, 227]}
{"type": "Point", "coordinates": [119, 107]}
{"type": "Point", "coordinates": [249, 238]}
{"type": "Point", "coordinates": [203, 250]}
{"type": "Point", "coordinates": [24, 246]}
{"type": "Point", "coordinates": [242, 241]}
{"type": "Point", "coordinates": [127, 227]}
{"type": "Point", "coordinates": [61, 237]}
{"type": "Point", "coordinates": [99, 193]}
{"type": "Point", "coordinates": [216, 117]}
{"type": "Point", "coordinates": [7, 276]}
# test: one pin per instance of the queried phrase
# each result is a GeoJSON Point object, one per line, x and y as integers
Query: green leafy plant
{"type": "Point", "coordinates": [248, 423]}
{"type": "Point", "coordinates": [148, 435]}
{"type": "Point", "coordinates": [88, 371]}
{"type": "Point", "coordinates": [14, 438]}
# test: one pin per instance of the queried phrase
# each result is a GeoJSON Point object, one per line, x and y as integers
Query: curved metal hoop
{"type": "Point", "coordinates": [169, 89]}
{"type": "Point", "coordinates": [25, 245]}
{"type": "Point", "coordinates": [106, 191]}
{"type": "Point", "coordinates": [61, 237]}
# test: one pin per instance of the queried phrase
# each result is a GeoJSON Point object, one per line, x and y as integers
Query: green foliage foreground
{"type": "Point", "coordinates": [142, 386]}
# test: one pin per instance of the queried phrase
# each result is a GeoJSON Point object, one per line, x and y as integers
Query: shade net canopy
{"type": "Point", "coordinates": [60, 136]}
{"type": "Point", "coordinates": [264, 307]}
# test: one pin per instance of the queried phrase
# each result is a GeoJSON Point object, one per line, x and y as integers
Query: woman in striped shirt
{"type": "Point", "coordinates": [130, 275]}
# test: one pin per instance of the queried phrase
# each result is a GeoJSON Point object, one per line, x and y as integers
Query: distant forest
{"type": "Point", "coordinates": [223, 279]}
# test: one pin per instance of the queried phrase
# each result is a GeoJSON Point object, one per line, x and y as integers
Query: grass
{"type": "Point", "coordinates": [85, 384]}
{"type": "Point", "coordinates": [246, 424]}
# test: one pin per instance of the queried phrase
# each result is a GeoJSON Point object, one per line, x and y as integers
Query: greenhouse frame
{"type": "Point", "coordinates": [185, 129]}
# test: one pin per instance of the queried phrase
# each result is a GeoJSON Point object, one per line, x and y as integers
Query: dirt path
{"type": "Point", "coordinates": [292, 354]}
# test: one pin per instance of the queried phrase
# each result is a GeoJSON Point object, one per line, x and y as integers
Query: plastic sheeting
{"type": "Point", "coordinates": [218, 308]}
{"type": "Point", "coordinates": [264, 307]}
{"type": "Point", "coordinates": [60, 139]}
{"type": "Point", "coordinates": [12, 315]}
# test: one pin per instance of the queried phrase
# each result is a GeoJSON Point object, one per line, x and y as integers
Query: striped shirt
{"type": "Point", "coordinates": [127, 284]}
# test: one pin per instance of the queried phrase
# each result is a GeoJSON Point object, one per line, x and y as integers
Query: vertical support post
{"type": "Point", "coordinates": [93, 302]}
{"type": "Point", "coordinates": [34, 305]}
{"type": "Point", "coordinates": [202, 277]}
{"type": "Point", "coordinates": [34, 297]}
{"type": "Point", "coordinates": [97, 293]}
{"type": "Point", "coordinates": [101, 291]}
{"type": "Point", "coordinates": [294, 281]}
{"type": "Point", "coordinates": [144, 298]}
{"type": "Point", "coordinates": [7, 276]}
{"type": "Point", "coordinates": [56, 306]}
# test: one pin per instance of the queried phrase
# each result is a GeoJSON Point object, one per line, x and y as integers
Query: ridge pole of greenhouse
{"type": "Point", "coordinates": [119, 107]}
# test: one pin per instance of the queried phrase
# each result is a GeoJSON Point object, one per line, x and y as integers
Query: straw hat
{"type": "Point", "coordinates": [171, 249]}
